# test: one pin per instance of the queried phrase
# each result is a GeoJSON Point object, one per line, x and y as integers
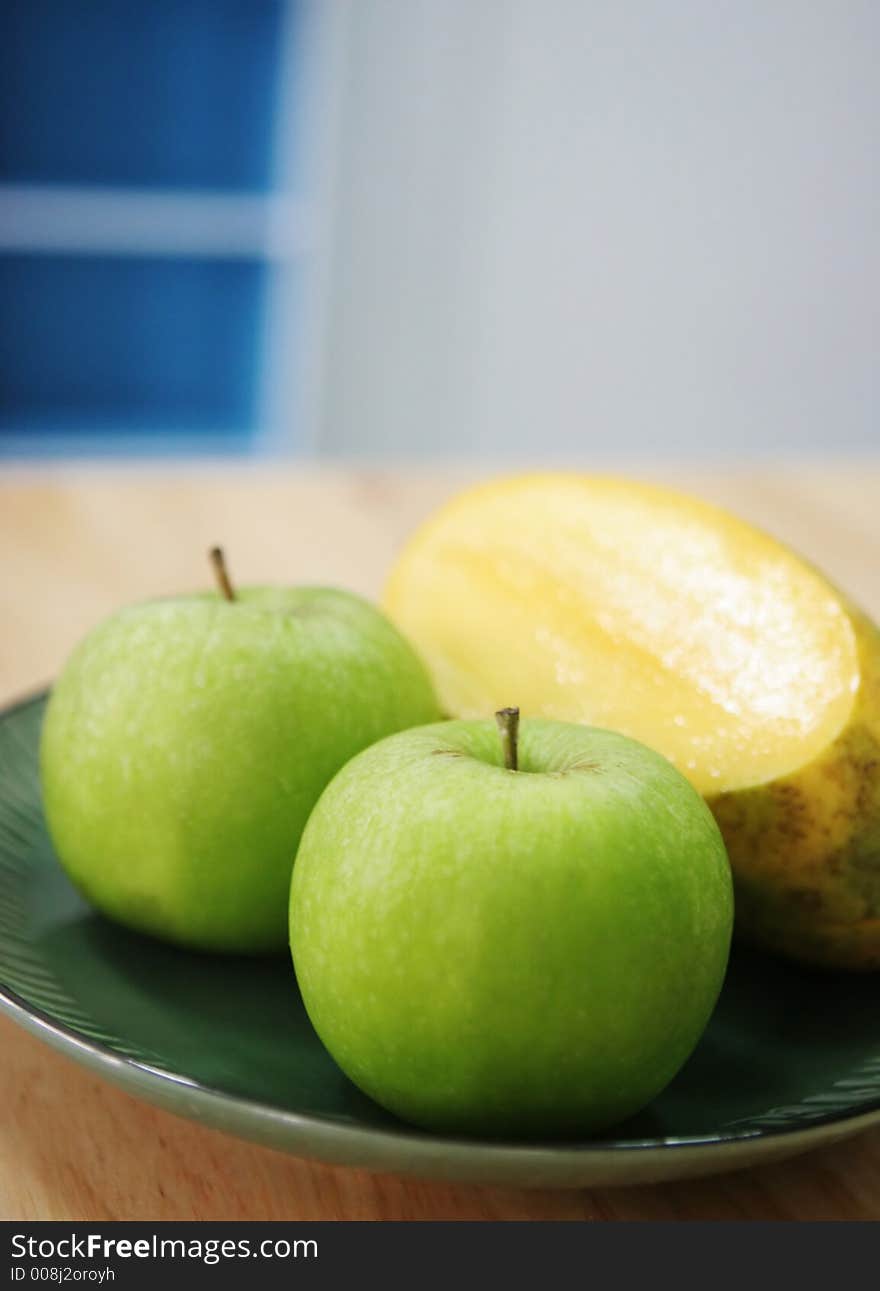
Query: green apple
{"type": "Point", "coordinates": [188, 739]}
{"type": "Point", "coordinates": [494, 951]}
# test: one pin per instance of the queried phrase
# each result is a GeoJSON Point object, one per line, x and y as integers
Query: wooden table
{"type": "Point", "coordinates": [74, 544]}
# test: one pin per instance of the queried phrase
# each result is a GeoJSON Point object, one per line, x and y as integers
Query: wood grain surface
{"type": "Point", "coordinates": [77, 542]}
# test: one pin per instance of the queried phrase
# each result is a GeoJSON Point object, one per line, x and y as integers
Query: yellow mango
{"type": "Point", "coordinates": [628, 606]}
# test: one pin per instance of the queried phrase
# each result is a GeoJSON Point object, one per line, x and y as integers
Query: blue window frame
{"type": "Point", "coordinates": [129, 345]}
{"type": "Point", "coordinates": [137, 342]}
{"type": "Point", "coordinates": [139, 93]}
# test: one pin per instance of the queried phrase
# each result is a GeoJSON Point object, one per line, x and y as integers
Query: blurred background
{"type": "Point", "coordinates": [403, 229]}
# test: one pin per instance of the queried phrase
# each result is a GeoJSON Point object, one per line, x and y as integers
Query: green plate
{"type": "Point", "coordinates": [790, 1060]}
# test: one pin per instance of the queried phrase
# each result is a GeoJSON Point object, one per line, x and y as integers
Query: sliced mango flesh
{"type": "Point", "coordinates": [624, 605]}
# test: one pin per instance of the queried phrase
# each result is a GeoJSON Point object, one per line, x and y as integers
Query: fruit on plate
{"type": "Point", "coordinates": [628, 606]}
{"type": "Point", "coordinates": [496, 951]}
{"type": "Point", "coordinates": [187, 740]}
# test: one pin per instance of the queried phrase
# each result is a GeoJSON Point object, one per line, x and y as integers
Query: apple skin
{"type": "Point", "coordinates": [187, 740]}
{"type": "Point", "coordinates": [510, 953]}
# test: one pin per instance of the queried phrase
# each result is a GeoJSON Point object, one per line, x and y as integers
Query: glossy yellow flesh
{"type": "Point", "coordinates": [626, 606]}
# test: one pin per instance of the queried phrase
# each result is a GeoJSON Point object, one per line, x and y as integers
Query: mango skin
{"type": "Point", "coordinates": [805, 848]}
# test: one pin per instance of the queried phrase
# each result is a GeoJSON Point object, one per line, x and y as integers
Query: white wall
{"type": "Point", "coordinates": [600, 228]}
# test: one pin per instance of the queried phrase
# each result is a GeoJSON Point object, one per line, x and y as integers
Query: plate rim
{"type": "Point", "coordinates": [405, 1148]}
{"type": "Point", "coordinates": [409, 1151]}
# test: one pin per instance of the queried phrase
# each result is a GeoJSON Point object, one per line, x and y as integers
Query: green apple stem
{"type": "Point", "coordinates": [508, 729]}
{"type": "Point", "coordinates": [218, 560]}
